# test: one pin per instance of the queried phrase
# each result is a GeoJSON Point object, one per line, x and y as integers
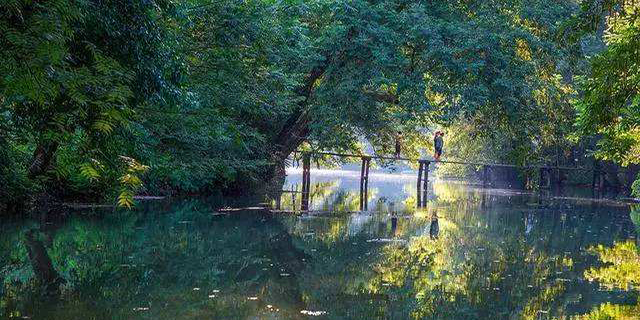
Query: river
{"type": "Point", "coordinates": [470, 253]}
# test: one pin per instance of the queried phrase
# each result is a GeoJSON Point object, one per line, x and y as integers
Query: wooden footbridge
{"type": "Point", "coordinates": [549, 175]}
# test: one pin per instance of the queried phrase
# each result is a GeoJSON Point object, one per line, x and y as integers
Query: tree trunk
{"type": "Point", "coordinates": [41, 262]}
{"type": "Point", "coordinates": [42, 157]}
{"type": "Point", "coordinates": [296, 129]}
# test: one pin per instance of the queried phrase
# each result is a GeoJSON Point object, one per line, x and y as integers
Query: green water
{"type": "Point", "coordinates": [470, 254]}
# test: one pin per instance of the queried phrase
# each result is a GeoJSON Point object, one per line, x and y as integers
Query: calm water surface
{"type": "Point", "coordinates": [470, 254]}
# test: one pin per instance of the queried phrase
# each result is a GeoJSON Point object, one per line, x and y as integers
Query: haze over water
{"type": "Point", "coordinates": [471, 253]}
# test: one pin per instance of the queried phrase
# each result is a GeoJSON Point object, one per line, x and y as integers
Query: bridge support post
{"type": "Point", "coordinates": [419, 185]}
{"type": "Point", "coordinates": [601, 181]}
{"type": "Point", "coordinates": [306, 180]}
{"type": "Point", "coordinates": [422, 186]}
{"type": "Point", "coordinates": [485, 176]}
{"type": "Point", "coordinates": [558, 182]}
{"type": "Point", "coordinates": [598, 180]}
{"type": "Point", "coordinates": [364, 183]}
{"type": "Point", "coordinates": [425, 184]}
{"type": "Point", "coordinates": [545, 178]}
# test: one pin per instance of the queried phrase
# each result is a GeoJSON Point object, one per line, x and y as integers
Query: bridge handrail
{"type": "Point", "coordinates": [347, 155]}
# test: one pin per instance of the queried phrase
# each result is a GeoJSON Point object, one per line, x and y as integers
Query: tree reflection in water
{"type": "Point", "coordinates": [620, 270]}
{"type": "Point", "coordinates": [507, 257]}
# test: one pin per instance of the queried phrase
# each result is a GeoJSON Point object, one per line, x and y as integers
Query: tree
{"type": "Point", "coordinates": [371, 68]}
{"type": "Point", "coordinates": [73, 74]}
{"type": "Point", "coordinates": [610, 104]}
{"type": "Point", "coordinates": [209, 94]}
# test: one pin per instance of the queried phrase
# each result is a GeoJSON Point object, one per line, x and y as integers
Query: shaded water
{"type": "Point", "coordinates": [470, 254]}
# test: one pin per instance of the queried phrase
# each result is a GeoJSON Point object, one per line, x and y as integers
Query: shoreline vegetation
{"type": "Point", "coordinates": [104, 100]}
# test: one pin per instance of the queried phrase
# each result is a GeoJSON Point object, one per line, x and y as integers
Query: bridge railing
{"type": "Point", "coordinates": [546, 172]}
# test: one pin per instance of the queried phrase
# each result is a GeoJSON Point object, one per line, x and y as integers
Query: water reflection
{"type": "Point", "coordinates": [469, 254]}
{"type": "Point", "coordinates": [434, 228]}
{"type": "Point", "coordinates": [620, 271]}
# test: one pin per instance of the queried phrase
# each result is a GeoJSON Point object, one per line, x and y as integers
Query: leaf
{"type": "Point", "coordinates": [125, 199]}
{"type": "Point", "coordinates": [103, 126]}
{"type": "Point", "coordinates": [89, 172]}
{"type": "Point", "coordinates": [131, 180]}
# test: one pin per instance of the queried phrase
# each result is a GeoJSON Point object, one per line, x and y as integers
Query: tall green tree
{"type": "Point", "coordinates": [610, 104]}
{"type": "Point", "coordinates": [371, 68]}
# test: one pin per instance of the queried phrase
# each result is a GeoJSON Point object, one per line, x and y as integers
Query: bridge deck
{"type": "Point", "coordinates": [346, 155]}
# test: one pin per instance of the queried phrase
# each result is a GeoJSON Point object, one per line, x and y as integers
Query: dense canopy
{"type": "Point", "coordinates": [104, 99]}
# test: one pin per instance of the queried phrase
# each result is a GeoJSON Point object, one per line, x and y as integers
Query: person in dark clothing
{"type": "Point", "coordinates": [437, 145]}
{"type": "Point", "coordinates": [434, 228]}
{"type": "Point", "coordinates": [398, 144]}
{"type": "Point", "coordinates": [394, 225]}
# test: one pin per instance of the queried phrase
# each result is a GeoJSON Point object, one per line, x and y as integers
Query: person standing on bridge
{"type": "Point", "coordinates": [438, 143]}
{"type": "Point", "coordinates": [398, 143]}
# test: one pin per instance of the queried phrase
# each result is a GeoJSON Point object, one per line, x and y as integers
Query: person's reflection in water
{"type": "Point", "coordinates": [394, 225]}
{"type": "Point", "coordinates": [394, 218]}
{"type": "Point", "coordinates": [528, 223]}
{"type": "Point", "coordinates": [434, 229]}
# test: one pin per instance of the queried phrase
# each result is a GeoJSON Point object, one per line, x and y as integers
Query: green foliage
{"type": "Point", "coordinates": [610, 311]}
{"type": "Point", "coordinates": [13, 178]}
{"type": "Point", "coordinates": [635, 217]}
{"type": "Point", "coordinates": [130, 182]}
{"type": "Point", "coordinates": [623, 270]}
{"type": "Point", "coordinates": [611, 101]}
{"type": "Point", "coordinates": [213, 95]}
{"type": "Point", "coordinates": [67, 84]}
{"type": "Point", "coordinates": [635, 188]}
